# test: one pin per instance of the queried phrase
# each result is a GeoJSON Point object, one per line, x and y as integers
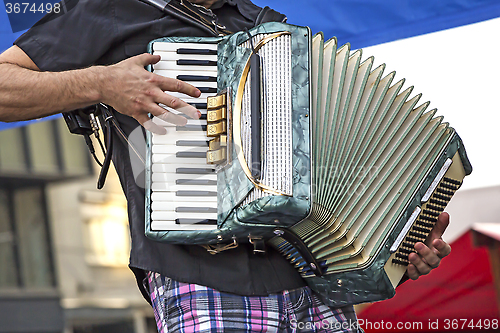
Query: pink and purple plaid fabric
{"type": "Point", "coordinates": [184, 307]}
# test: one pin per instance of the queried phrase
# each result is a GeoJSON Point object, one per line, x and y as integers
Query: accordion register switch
{"type": "Point", "coordinates": [217, 129]}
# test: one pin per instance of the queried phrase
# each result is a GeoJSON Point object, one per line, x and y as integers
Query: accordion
{"type": "Point", "coordinates": [303, 146]}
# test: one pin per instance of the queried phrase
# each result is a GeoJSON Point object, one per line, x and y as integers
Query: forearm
{"type": "Point", "coordinates": [28, 94]}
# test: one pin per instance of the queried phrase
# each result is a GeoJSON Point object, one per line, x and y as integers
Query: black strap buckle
{"type": "Point", "coordinates": [259, 245]}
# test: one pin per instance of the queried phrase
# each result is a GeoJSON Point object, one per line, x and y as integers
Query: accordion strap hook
{"type": "Point", "coordinates": [218, 248]}
{"type": "Point", "coordinates": [302, 248]}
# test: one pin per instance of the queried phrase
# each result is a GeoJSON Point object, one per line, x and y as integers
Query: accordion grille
{"type": "Point", "coordinates": [276, 159]}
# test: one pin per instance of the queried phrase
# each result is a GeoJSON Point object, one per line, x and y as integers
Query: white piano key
{"type": "Point", "coordinates": [181, 166]}
{"type": "Point", "coordinates": [182, 135]}
{"type": "Point", "coordinates": [170, 198]}
{"type": "Point", "coordinates": [172, 206]}
{"type": "Point", "coordinates": [170, 215]}
{"type": "Point", "coordinates": [172, 138]}
{"type": "Point", "coordinates": [166, 186]}
{"type": "Point", "coordinates": [172, 159]}
{"type": "Point", "coordinates": [200, 84]}
{"type": "Point", "coordinates": [185, 97]}
{"type": "Point", "coordinates": [171, 226]}
{"type": "Point", "coordinates": [187, 100]}
{"type": "Point", "coordinates": [197, 122]}
{"type": "Point", "coordinates": [174, 177]}
{"type": "Point", "coordinates": [173, 149]}
{"type": "Point", "coordinates": [167, 46]}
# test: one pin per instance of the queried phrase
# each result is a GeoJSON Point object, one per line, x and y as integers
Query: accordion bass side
{"type": "Point", "coordinates": [305, 147]}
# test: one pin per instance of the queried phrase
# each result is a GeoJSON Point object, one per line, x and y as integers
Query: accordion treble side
{"type": "Point", "coordinates": [307, 147]}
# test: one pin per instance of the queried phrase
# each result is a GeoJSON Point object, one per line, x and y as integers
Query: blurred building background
{"type": "Point", "coordinates": [64, 246]}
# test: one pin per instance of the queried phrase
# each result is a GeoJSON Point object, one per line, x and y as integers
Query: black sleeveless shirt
{"type": "Point", "coordinates": [102, 32]}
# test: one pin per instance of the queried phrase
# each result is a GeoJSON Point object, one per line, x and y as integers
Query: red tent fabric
{"type": "Point", "coordinates": [456, 296]}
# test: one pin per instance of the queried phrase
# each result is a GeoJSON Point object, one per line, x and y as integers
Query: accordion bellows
{"type": "Point", "coordinates": [353, 169]}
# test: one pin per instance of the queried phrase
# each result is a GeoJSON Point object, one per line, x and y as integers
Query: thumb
{"type": "Point", "coordinates": [146, 59]}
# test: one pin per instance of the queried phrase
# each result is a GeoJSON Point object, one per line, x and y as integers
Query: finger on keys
{"type": "Point", "coordinates": [148, 124]}
{"type": "Point", "coordinates": [160, 112]}
{"type": "Point", "coordinates": [145, 59]}
{"type": "Point", "coordinates": [174, 85]}
{"type": "Point", "coordinates": [179, 105]}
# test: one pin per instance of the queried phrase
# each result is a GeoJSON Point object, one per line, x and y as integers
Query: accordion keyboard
{"type": "Point", "coordinates": [184, 186]}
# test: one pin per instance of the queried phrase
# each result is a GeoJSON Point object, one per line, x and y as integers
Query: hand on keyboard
{"type": "Point", "coordinates": [135, 92]}
{"type": "Point", "coordinates": [430, 254]}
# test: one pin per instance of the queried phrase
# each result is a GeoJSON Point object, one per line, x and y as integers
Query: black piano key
{"type": "Point", "coordinates": [196, 51]}
{"type": "Point", "coordinates": [190, 62]}
{"type": "Point", "coordinates": [191, 143]}
{"type": "Point", "coordinates": [195, 221]}
{"type": "Point", "coordinates": [199, 106]}
{"type": "Point", "coordinates": [196, 194]}
{"type": "Point", "coordinates": [197, 78]}
{"type": "Point", "coordinates": [195, 171]}
{"type": "Point", "coordinates": [202, 117]}
{"type": "Point", "coordinates": [203, 182]}
{"type": "Point", "coordinates": [207, 90]}
{"type": "Point", "coordinates": [195, 210]}
{"type": "Point", "coordinates": [191, 128]}
{"type": "Point", "coordinates": [191, 154]}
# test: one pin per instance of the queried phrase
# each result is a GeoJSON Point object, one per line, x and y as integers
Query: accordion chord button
{"type": "Point", "coordinates": [216, 115]}
{"type": "Point", "coordinates": [216, 102]}
{"type": "Point", "coordinates": [216, 129]}
{"type": "Point", "coordinates": [216, 156]}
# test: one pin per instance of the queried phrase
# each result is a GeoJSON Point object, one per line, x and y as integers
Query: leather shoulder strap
{"type": "Point", "coordinates": [269, 15]}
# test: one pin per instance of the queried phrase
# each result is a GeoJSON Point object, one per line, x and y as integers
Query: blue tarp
{"type": "Point", "coordinates": [364, 23]}
{"type": "Point", "coordinates": [360, 22]}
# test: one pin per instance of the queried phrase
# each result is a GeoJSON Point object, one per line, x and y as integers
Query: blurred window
{"type": "Point", "coordinates": [25, 251]}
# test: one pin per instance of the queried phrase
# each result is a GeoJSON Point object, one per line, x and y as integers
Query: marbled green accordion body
{"type": "Point", "coordinates": [360, 170]}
